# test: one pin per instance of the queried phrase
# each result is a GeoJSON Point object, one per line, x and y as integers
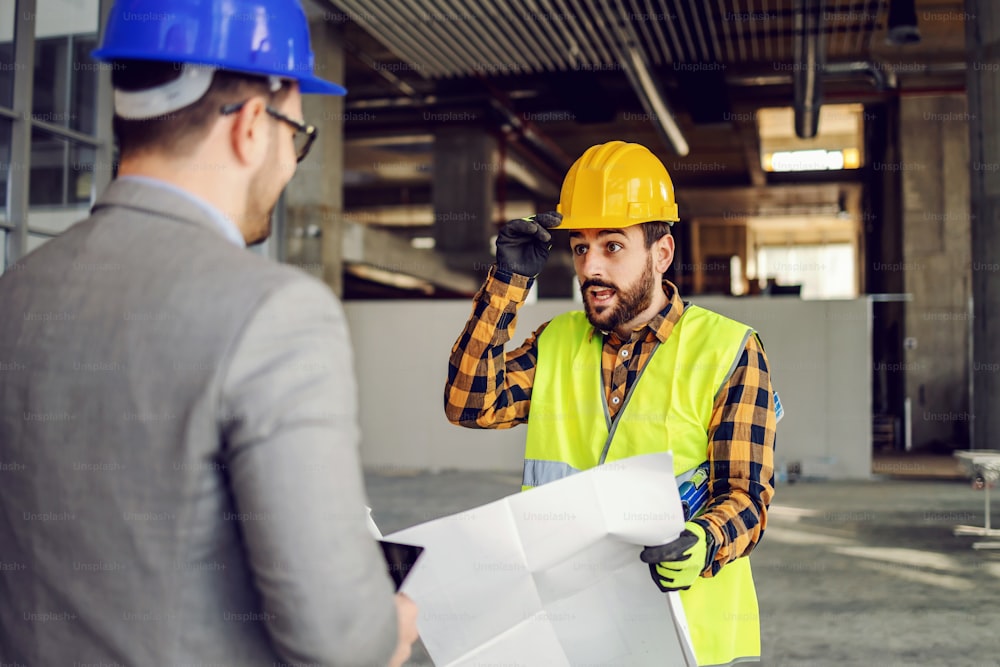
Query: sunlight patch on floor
{"type": "Point", "coordinates": [903, 557]}
{"type": "Point", "coordinates": [789, 536]}
{"type": "Point", "coordinates": [918, 576]}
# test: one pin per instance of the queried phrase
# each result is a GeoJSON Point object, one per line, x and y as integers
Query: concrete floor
{"type": "Point", "coordinates": [859, 573]}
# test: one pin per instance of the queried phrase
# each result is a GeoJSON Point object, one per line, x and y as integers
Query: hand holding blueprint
{"type": "Point", "coordinates": [552, 577]}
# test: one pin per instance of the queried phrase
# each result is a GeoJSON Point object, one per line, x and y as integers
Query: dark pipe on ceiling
{"type": "Point", "coordinates": [810, 59]}
{"type": "Point", "coordinates": [902, 28]}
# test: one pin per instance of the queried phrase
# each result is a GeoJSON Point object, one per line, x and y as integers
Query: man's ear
{"type": "Point", "coordinates": [663, 253]}
{"type": "Point", "coordinates": [248, 136]}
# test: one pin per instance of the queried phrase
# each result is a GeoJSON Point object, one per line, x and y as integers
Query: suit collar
{"type": "Point", "coordinates": [161, 199]}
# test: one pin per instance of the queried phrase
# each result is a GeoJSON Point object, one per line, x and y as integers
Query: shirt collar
{"type": "Point", "coordinates": [661, 325]}
{"type": "Point", "coordinates": [225, 225]}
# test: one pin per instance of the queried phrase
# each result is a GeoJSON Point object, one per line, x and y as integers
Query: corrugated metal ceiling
{"type": "Point", "coordinates": [454, 38]}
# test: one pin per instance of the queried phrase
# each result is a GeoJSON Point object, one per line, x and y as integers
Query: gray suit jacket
{"type": "Point", "coordinates": [179, 474]}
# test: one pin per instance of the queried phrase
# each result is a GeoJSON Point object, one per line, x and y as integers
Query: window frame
{"type": "Point", "coordinates": [17, 221]}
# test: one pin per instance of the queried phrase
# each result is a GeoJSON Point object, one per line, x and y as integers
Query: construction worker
{"type": "Point", "coordinates": [638, 371]}
{"type": "Point", "coordinates": [188, 487]}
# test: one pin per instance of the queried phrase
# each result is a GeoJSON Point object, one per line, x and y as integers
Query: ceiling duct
{"type": "Point", "coordinates": [810, 58]}
{"type": "Point", "coordinates": [902, 28]}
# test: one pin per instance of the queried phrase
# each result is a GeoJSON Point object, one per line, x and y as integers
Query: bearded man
{"type": "Point", "coordinates": [705, 392]}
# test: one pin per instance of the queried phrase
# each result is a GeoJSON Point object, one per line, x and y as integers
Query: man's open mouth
{"type": "Point", "coordinates": [601, 295]}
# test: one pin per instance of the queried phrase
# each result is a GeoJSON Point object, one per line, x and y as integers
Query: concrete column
{"type": "Point", "coordinates": [934, 151]}
{"type": "Point", "coordinates": [466, 165]}
{"type": "Point", "coordinates": [883, 269]}
{"type": "Point", "coordinates": [314, 199]}
{"type": "Point", "coordinates": [983, 46]}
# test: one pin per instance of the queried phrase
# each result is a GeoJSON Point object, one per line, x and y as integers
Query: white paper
{"type": "Point", "coordinates": [372, 526]}
{"type": "Point", "coordinates": [552, 577]}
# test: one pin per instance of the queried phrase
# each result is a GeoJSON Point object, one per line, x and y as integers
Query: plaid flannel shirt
{"type": "Point", "coordinates": [488, 388]}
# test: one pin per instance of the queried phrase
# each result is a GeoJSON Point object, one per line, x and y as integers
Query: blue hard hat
{"type": "Point", "coordinates": [265, 37]}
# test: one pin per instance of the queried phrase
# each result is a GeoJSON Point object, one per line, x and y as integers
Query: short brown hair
{"type": "Point", "coordinates": [178, 131]}
{"type": "Point", "coordinates": [654, 231]}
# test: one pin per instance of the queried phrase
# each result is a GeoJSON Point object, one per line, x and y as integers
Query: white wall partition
{"type": "Point", "coordinates": [820, 355]}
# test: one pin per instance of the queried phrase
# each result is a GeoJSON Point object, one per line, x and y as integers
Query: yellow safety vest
{"type": "Point", "coordinates": [667, 409]}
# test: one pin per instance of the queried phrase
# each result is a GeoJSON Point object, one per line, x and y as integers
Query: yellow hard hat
{"type": "Point", "coordinates": [614, 185]}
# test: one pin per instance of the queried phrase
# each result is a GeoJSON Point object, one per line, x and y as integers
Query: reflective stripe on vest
{"type": "Point", "coordinates": [668, 408]}
{"type": "Point", "coordinates": [538, 472]}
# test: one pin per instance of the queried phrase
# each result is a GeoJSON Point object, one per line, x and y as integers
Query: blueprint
{"type": "Point", "coordinates": [552, 577]}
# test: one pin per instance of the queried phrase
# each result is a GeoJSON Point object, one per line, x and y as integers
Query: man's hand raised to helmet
{"type": "Point", "coordinates": [523, 244]}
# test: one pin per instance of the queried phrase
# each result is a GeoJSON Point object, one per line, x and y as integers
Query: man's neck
{"type": "Point", "coordinates": [198, 178]}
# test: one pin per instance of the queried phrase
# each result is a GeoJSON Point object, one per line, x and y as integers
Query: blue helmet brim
{"type": "Point", "coordinates": [316, 86]}
{"type": "Point", "coordinates": [308, 84]}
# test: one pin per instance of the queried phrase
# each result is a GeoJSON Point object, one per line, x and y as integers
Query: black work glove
{"type": "Point", "coordinates": [523, 244]}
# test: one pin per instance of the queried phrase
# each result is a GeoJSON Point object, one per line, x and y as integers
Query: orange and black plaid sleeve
{"type": "Point", "coordinates": [488, 388]}
{"type": "Point", "coordinates": [741, 454]}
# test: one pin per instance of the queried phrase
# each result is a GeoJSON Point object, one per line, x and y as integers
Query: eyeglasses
{"type": "Point", "coordinates": [305, 135]}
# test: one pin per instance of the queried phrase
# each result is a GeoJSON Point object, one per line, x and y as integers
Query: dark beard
{"type": "Point", "coordinates": [631, 301]}
{"type": "Point", "coordinates": [264, 232]}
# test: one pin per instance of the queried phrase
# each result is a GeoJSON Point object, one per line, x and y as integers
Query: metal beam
{"type": "Point", "coordinates": [388, 252]}
{"type": "Point", "coordinates": [531, 178]}
{"type": "Point", "coordinates": [736, 202]}
{"type": "Point", "coordinates": [20, 141]}
{"type": "Point", "coordinates": [63, 132]}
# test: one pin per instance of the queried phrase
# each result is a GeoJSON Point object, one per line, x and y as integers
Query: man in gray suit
{"type": "Point", "coordinates": [179, 474]}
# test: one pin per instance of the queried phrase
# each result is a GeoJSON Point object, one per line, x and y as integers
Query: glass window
{"type": "Point", "coordinates": [823, 271]}
{"type": "Point", "coordinates": [65, 74]}
{"type": "Point", "coordinates": [51, 93]}
{"type": "Point", "coordinates": [5, 165]}
{"type": "Point", "coordinates": [84, 85]}
{"type": "Point", "coordinates": [62, 171]}
{"type": "Point", "coordinates": [80, 175]}
{"type": "Point", "coordinates": [58, 18]}
{"type": "Point", "coordinates": [65, 82]}
{"type": "Point", "coordinates": [7, 66]}
{"type": "Point", "coordinates": [47, 167]}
